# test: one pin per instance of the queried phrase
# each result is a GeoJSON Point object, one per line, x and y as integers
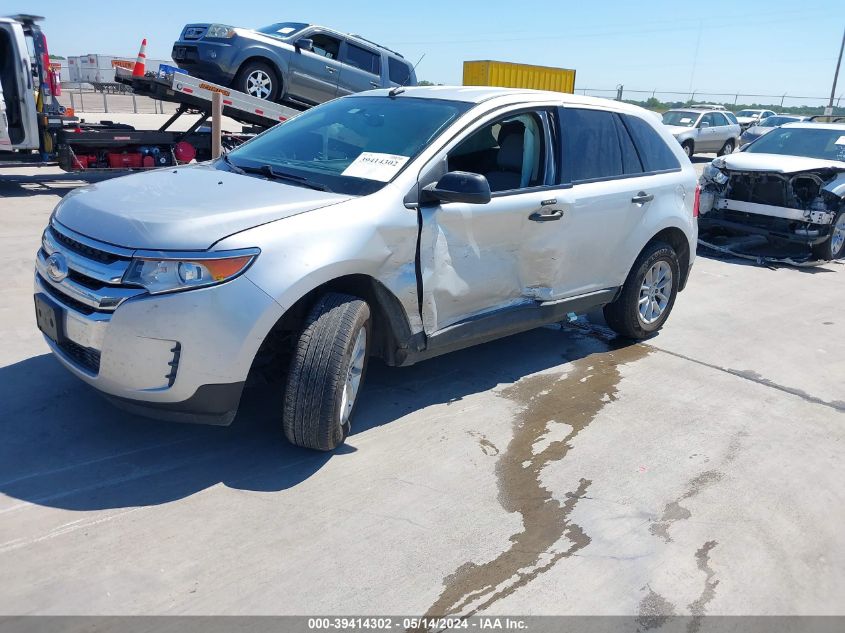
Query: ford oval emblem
{"type": "Point", "coordinates": [57, 267]}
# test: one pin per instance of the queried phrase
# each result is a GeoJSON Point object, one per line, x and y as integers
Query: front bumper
{"type": "Point", "coordinates": [212, 61]}
{"type": "Point", "coordinates": [182, 356]}
{"type": "Point", "coordinates": [783, 223]}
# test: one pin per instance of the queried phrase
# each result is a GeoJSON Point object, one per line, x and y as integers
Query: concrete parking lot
{"type": "Point", "coordinates": [561, 471]}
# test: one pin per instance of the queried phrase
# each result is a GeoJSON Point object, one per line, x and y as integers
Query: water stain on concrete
{"type": "Point", "coordinates": [654, 611]}
{"type": "Point", "coordinates": [698, 606]}
{"type": "Point", "coordinates": [573, 399]}
{"type": "Point", "coordinates": [487, 447]}
{"type": "Point", "coordinates": [674, 511]}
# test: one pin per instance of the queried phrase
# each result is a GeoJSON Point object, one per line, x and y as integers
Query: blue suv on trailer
{"type": "Point", "coordinates": [289, 60]}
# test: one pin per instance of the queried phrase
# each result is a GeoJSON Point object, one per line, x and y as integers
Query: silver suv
{"type": "Point", "coordinates": [706, 130]}
{"type": "Point", "coordinates": [289, 60]}
{"type": "Point", "coordinates": [399, 224]}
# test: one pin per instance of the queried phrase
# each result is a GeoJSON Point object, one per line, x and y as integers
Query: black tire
{"type": "Point", "coordinates": [242, 80]}
{"type": "Point", "coordinates": [313, 401]}
{"type": "Point", "coordinates": [828, 250]}
{"type": "Point", "coordinates": [688, 148]}
{"type": "Point", "coordinates": [623, 315]}
{"type": "Point", "coordinates": [727, 148]}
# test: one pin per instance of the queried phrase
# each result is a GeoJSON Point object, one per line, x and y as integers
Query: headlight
{"type": "Point", "coordinates": [712, 173]}
{"type": "Point", "coordinates": [223, 31]}
{"type": "Point", "coordinates": [164, 272]}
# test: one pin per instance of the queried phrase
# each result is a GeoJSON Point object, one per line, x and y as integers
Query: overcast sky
{"type": "Point", "coordinates": [756, 47]}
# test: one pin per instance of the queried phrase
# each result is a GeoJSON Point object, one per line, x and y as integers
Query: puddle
{"type": "Point", "coordinates": [547, 534]}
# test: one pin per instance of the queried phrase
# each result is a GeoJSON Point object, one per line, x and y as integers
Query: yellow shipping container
{"type": "Point", "coordinates": [509, 75]}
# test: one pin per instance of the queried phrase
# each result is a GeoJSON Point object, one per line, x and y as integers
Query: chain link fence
{"type": "Point", "coordinates": [729, 99]}
{"type": "Point", "coordinates": [84, 98]}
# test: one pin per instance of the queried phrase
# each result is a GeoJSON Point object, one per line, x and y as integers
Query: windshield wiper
{"type": "Point", "coordinates": [270, 172]}
{"type": "Point", "coordinates": [228, 161]}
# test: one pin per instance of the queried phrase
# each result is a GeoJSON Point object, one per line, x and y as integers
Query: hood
{"type": "Point", "coordinates": [777, 163]}
{"type": "Point", "coordinates": [746, 119]}
{"type": "Point", "coordinates": [757, 130]}
{"type": "Point", "coordinates": [674, 130]}
{"type": "Point", "coordinates": [183, 208]}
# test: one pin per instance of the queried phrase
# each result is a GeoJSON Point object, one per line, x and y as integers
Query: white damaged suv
{"type": "Point", "coordinates": [398, 224]}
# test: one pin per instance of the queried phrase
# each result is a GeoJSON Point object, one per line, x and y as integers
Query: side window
{"type": "Point", "coordinates": [399, 71]}
{"type": "Point", "coordinates": [731, 118]}
{"type": "Point", "coordinates": [363, 59]}
{"type": "Point", "coordinates": [708, 119]}
{"type": "Point", "coordinates": [591, 144]}
{"type": "Point", "coordinates": [656, 156]}
{"type": "Point", "coordinates": [719, 119]}
{"type": "Point", "coordinates": [510, 152]}
{"type": "Point", "coordinates": [630, 160]}
{"type": "Point", "coordinates": [325, 45]}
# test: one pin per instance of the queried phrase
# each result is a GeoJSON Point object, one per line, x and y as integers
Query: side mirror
{"type": "Point", "coordinates": [304, 43]}
{"type": "Point", "coordinates": [459, 186]}
{"type": "Point", "coordinates": [703, 125]}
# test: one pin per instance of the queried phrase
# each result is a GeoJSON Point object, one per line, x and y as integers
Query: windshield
{"type": "Point", "coordinates": [748, 113]}
{"type": "Point", "coordinates": [678, 117]}
{"type": "Point", "coordinates": [777, 121]}
{"type": "Point", "coordinates": [821, 143]}
{"type": "Point", "coordinates": [282, 29]}
{"type": "Point", "coordinates": [352, 145]}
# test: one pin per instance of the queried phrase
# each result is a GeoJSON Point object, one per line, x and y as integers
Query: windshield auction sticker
{"type": "Point", "coordinates": [375, 166]}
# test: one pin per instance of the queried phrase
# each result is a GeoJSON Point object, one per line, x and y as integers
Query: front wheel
{"type": "Point", "coordinates": [834, 246]}
{"type": "Point", "coordinates": [648, 295]}
{"type": "Point", "coordinates": [258, 79]}
{"type": "Point", "coordinates": [326, 373]}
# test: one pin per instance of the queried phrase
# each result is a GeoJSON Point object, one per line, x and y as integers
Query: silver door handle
{"type": "Point", "coordinates": [642, 197]}
{"type": "Point", "coordinates": [375, 84]}
{"type": "Point", "coordinates": [547, 216]}
{"type": "Point", "coordinates": [330, 69]}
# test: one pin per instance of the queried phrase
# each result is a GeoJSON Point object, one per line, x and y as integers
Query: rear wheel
{"type": "Point", "coordinates": [727, 148]}
{"type": "Point", "coordinates": [648, 295]}
{"type": "Point", "coordinates": [326, 372]}
{"type": "Point", "coordinates": [258, 79]}
{"type": "Point", "coordinates": [834, 246]}
{"type": "Point", "coordinates": [688, 148]}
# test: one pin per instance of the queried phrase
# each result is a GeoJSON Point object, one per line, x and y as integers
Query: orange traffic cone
{"type": "Point", "coordinates": [140, 63]}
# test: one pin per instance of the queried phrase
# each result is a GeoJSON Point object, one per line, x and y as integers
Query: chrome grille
{"type": "Point", "coordinates": [95, 271]}
{"type": "Point", "coordinates": [194, 32]}
{"type": "Point", "coordinates": [83, 249]}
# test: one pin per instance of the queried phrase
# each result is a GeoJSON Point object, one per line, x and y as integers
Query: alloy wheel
{"type": "Point", "coordinates": [655, 292]}
{"type": "Point", "coordinates": [353, 377]}
{"type": "Point", "coordinates": [259, 84]}
{"type": "Point", "coordinates": [837, 239]}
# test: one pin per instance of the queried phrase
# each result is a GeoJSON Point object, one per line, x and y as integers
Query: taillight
{"type": "Point", "coordinates": [697, 202]}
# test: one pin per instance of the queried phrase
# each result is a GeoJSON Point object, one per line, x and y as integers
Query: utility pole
{"type": "Point", "coordinates": [829, 108]}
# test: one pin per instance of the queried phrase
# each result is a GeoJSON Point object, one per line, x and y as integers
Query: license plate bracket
{"type": "Point", "coordinates": [49, 317]}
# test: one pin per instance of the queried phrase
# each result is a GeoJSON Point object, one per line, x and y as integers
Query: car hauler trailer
{"type": "Point", "coordinates": [35, 129]}
{"type": "Point", "coordinates": [124, 147]}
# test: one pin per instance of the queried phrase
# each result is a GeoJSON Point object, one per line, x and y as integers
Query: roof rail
{"type": "Point", "coordinates": [364, 39]}
{"type": "Point", "coordinates": [833, 118]}
{"type": "Point", "coordinates": [26, 18]}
